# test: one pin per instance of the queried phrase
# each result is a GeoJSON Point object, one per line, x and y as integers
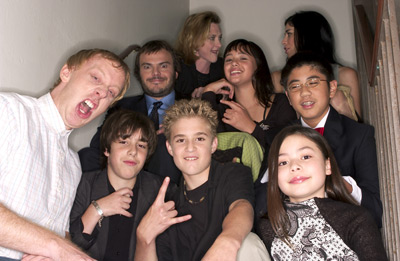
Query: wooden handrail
{"type": "Point", "coordinates": [365, 34]}
{"type": "Point", "coordinates": [379, 17]}
{"type": "Point", "coordinates": [369, 44]}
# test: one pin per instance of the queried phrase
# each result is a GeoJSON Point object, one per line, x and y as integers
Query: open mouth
{"type": "Point", "coordinates": [85, 109]}
{"type": "Point", "coordinates": [86, 106]}
{"type": "Point", "coordinates": [235, 72]}
{"type": "Point", "coordinates": [307, 104]}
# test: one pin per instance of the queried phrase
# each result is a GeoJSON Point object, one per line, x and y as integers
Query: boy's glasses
{"type": "Point", "coordinates": [310, 83]}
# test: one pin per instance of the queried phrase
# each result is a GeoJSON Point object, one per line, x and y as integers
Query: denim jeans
{"type": "Point", "coordinates": [3, 258]}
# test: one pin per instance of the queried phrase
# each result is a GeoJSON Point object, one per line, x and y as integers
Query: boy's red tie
{"type": "Point", "coordinates": [320, 130]}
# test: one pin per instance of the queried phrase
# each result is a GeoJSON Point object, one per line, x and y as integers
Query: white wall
{"type": "Point", "coordinates": [37, 37]}
{"type": "Point", "coordinates": [262, 21]}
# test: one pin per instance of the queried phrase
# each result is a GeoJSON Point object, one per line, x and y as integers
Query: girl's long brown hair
{"type": "Point", "coordinates": [334, 183]}
{"type": "Point", "coordinates": [262, 81]}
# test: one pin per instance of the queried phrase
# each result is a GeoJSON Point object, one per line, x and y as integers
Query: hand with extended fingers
{"type": "Point", "coordinates": [220, 87]}
{"type": "Point", "coordinates": [238, 117]}
{"type": "Point", "coordinates": [160, 216]}
{"type": "Point", "coordinates": [116, 203]}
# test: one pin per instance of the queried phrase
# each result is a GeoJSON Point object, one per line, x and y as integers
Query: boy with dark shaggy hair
{"type": "Point", "coordinates": [110, 203]}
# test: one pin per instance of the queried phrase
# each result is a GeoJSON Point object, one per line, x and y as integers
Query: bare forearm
{"type": "Point", "coordinates": [145, 251]}
{"type": "Point", "coordinates": [239, 221]}
{"type": "Point", "coordinates": [235, 227]}
{"type": "Point", "coordinates": [90, 219]}
{"type": "Point", "coordinates": [21, 235]}
{"type": "Point", "coordinates": [146, 242]}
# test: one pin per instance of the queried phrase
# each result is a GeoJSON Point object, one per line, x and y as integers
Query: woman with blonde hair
{"type": "Point", "coordinates": [198, 46]}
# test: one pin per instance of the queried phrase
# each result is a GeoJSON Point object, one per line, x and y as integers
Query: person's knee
{"type": "Point", "coordinates": [253, 249]}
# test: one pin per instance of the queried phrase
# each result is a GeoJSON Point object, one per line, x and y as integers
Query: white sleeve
{"type": "Point", "coordinates": [265, 176]}
{"type": "Point", "coordinates": [356, 193]}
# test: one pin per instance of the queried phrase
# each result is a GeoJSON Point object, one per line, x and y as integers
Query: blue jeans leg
{"type": "Point", "coordinates": [3, 258]}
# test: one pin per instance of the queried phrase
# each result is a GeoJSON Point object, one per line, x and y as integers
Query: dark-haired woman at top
{"type": "Point", "coordinates": [309, 31]}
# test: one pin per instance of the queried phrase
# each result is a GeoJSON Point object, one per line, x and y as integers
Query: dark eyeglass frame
{"type": "Point", "coordinates": [310, 83]}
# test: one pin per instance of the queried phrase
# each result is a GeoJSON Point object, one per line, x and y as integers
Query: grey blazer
{"type": "Point", "coordinates": [93, 186]}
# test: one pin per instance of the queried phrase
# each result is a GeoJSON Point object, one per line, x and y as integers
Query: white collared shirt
{"type": "Point", "coordinates": [320, 124]}
{"type": "Point", "coordinates": [39, 173]}
{"type": "Point", "coordinates": [356, 193]}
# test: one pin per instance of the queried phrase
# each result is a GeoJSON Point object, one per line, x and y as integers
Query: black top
{"type": "Point", "coordinates": [226, 184]}
{"type": "Point", "coordinates": [191, 233]}
{"type": "Point", "coordinates": [189, 78]}
{"type": "Point", "coordinates": [120, 230]}
{"type": "Point", "coordinates": [352, 223]}
{"type": "Point", "coordinates": [280, 115]}
{"type": "Point", "coordinates": [93, 186]}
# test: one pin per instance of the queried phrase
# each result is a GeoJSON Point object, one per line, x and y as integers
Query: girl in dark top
{"type": "Point", "coordinates": [198, 46]}
{"type": "Point", "coordinates": [311, 215]}
{"type": "Point", "coordinates": [252, 106]}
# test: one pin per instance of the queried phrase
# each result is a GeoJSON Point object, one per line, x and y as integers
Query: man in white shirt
{"type": "Point", "coordinates": [39, 173]}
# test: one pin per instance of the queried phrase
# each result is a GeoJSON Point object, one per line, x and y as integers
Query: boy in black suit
{"type": "Point", "coordinates": [309, 86]}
